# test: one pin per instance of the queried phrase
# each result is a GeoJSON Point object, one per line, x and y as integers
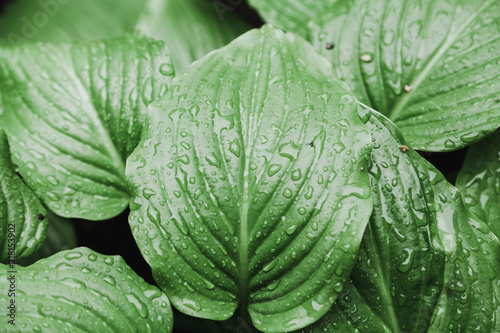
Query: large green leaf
{"type": "Point", "coordinates": [74, 112]}
{"type": "Point", "coordinates": [431, 66]}
{"type": "Point", "coordinates": [249, 185]}
{"type": "Point", "coordinates": [190, 28]}
{"type": "Point", "coordinates": [67, 20]}
{"type": "Point", "coordinates": [479, 181]}
{"type": "Point", "coordinates": [23, 220]}
{"type": "Point", "coordinates": [425, 263]}
{"type": "Point", "coordinates": [291, 15]}
{"type": "Point", "coordinates": [83, 291]}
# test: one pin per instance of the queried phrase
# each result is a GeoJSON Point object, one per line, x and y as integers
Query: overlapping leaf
{"type": "Point", "coordinates": [190, 28]}
{"type": "Point", "coordinates": [431, 66]}
{"type": "Point", "coordinates": [291, 15]}
{"type": "Point", "coordinates": [479, 181]}
{"type": "Point", "coordinates": [249, 186]}
{"type": "Point", "coordinates": [425, 264]}
{"type": "Point", "coordinates": [73, 113]}
{"type": "Point", "coordinates": [83, 291]}
{"type": "Point", "coordinates": [23, 220]}
{"type": "Point", "coordinates": [67, 20]}
{"type": "Point", "coordinates": [61, 236]}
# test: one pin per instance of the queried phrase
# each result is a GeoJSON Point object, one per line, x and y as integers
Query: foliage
{"type": "Point", "coordinates": [272, 179]}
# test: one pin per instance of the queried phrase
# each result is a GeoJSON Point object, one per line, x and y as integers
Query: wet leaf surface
{"type": "Point", "coordinates": [248, 185]}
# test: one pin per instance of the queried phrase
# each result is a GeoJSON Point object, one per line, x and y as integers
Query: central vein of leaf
{"type": "Point", "coordinates": [244, 238]}
{"type": "Point", "coordinates": [383, 283]}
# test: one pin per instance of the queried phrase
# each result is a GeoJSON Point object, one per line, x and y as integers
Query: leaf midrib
{"type": "Point", "coordinates": [383, 284]}
{"type": "Point", "coordinates": [449, 41]}
{"type": "Point", "coordinates": [108, 143]}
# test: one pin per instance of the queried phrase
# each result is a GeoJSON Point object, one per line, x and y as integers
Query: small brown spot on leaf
{"type": "Point", "coordinates": [404, 148]}
{"type": "Point", "coordinates": [311, 144]}
{"type": "Point", "coordinates": [329, 46]}
{"type": "Point", "coordinates": [362, 169]}
{"type": "Point", "coordinates": [408, 88]}
{"type": "Point", "coordinates": [41, 217]}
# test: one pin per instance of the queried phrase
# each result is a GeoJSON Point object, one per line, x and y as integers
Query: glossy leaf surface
{"type": "Point", "coordinates": [67, 20]}
{"type": "Point", "coordinates": [248, 185]}
{"type": "Point", "coordinates": [291, 15]}
{"type": "Point", "coordinates": [425, 264]}
{"type": "Point", "coordinates": [74, 112]}
{"type": "Point", "coordinates": [431, 66]}
{"type": "Point", "coordinates": [190, 28]}
{"type": "Point", "coordinates": [83, 291]}
{"type": "Point", "coordinates": [479, 181]}
{"type": "Point", "coordinates": [61, 236]}
{"type": "Point", "coordinates": [23, 220]}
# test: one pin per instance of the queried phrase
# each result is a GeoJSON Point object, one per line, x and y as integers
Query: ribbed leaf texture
{"type": "Point", "coordinates": [23, 219]}
{"type": "Point", "coordinates": [83, 291]}
{"type": "Point", "coordinates": [249, 185]}
{"type": "Point", "coordinates": [74, 112]}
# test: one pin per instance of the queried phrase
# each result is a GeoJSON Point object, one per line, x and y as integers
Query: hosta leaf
{"type": "Point", "coordinates": [23, 221]}
{"type": "Point", "coordinates": [190, 28]}
{"type": "Point", "coordinates": [431, 66]}
{"type": "Point", "coordinates": [67, 20]}
{"type": "Point", "coordinates": [248, 184]}
{"type": "Point", "coordinates": [83, 291]}
{"type": "Point", "coordinates": [73, 113]}
{"type": "Point", "coordinates": [425, 263]}
{"type": "Point", "coordinates": [479, 181]}
{"type": "Point", "coordinates": [61, 236]}
{"type": "Point", "coordinates": [291, 15]}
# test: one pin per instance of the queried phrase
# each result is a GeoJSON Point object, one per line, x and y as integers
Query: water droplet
{"type": "Point", "coordinates": [148, 193]}
{"type": "Point", "coordinates": [166, 69]}
{"type": "Point", "coordinates": [449, 144]}
{"type": "Point", "coordinates": [141, 308]}
{"type": "Point", "coordinates": [405, 266]}
{"type": "Point", "coordinates": [273, 169]}
{"type": "Point", "coordinates": [296, 175]}
{"type": "Point", "coordinates": [110, 280]}
{"type": "Point", "coordinates": [72, 255]}
{"type": "Point", "coordinates": [291, 229]}
{"type": "Point", "coordinates": [235, 148]}
{"type": "Point", "coordinates": [274, 285]}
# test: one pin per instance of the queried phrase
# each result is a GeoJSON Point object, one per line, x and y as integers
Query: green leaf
{"type": "Point", "coordinates": [74, 112]}
{"type": "Point", "coordinates": [83, 291]}
{"type": "Point", "coordinates": [432, 67]}
{"type": "Point", "coordinates": [61, 236]}
{"type": "Point", "coordinates": [248, 184]}
{"type": "Point", "coordinates": [479, 181]}
{"type": "Point", "coordinates": [67, 20]}
{"type": "Point", "coordinates": [23, 220]}
{"type": "Point", "coordinates": [291, 15]}
{"type": "Point", "coordinates": [190, 28]}
{"type": "Point", "coordinates": [425, 264]}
